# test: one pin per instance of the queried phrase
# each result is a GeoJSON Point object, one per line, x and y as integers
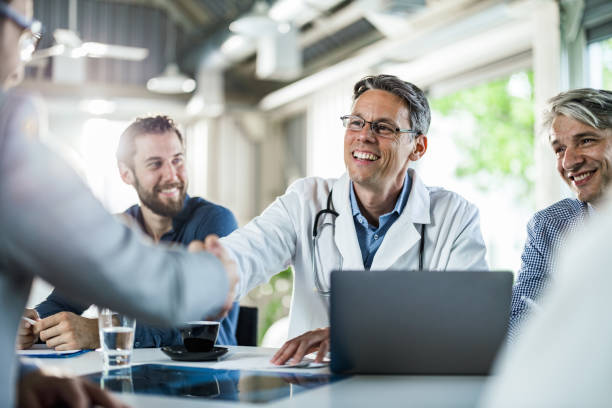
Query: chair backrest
{"type": "Point", "coordinates": [246, 329]}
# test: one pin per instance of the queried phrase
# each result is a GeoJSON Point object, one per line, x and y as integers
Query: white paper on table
{"type": "Point", "coordinates": [244, 361]}
{"type": "Point", "coordinates": [309, 362]}
{"type": "Point", "coordinates": [43, 350]}
{"type": "Point", "coordinates": [302, 364]}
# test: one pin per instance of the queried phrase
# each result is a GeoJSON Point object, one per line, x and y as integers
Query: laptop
{"type": "Point", "coordinates": [409, 322]}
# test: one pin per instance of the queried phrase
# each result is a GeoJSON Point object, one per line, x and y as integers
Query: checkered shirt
{"type": "Point", "coordinates": [545, 234]}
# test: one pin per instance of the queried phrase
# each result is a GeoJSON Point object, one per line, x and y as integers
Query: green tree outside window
{"type": "Point", "coordinates": [606, 47]}
{"type": "Point", "coordinates": [501, 147]}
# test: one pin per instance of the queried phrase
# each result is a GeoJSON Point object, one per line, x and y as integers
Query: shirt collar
{"type": "Point", "coordinates": [354, 206]}
{"type": "Point", "coordinates": [591, 210]}
{"type": "Point", "coordinates": [399, 204]}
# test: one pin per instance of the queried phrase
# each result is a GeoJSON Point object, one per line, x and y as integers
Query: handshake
{"type": "Point", "coordinates": [212, 245]}
{"type": "Point", "coordinates": [69, 331]}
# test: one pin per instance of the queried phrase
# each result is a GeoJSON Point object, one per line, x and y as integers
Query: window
{"type": "Point", "coordinates": [99, 142]}
{"type": "Point", "coordinates": [600, 64]}
{"type": "Point", "coordinates": [483, 138]}
{"type": "Point", "coordinates": [597, 26]}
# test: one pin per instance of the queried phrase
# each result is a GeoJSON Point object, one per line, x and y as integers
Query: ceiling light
{"type": "Point", "coordinates": [171, 81]}
{"type": "Point", "coordinates": [286, 10]}
{"type": "Point", "coordinates": [128, 53]}
{"type": "Point", "coordinates": [256, 23]}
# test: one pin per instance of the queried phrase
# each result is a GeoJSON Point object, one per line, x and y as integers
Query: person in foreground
{"type": "Point", "coordinates": [563, 357]}
{"type": "Point", "coordinates": [151, 158]}
{"type": "Point", "coordinates": [376, 216]}
{"type": "Point", "coordinates": [580, 133]}
{"type": "Point", "coordinates": [39, 194]}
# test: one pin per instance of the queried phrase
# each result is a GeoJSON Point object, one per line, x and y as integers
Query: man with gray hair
{"type": "Point", "coordinates": [580, 133]}
{"type": "Point", "coordinates": [378, 215]}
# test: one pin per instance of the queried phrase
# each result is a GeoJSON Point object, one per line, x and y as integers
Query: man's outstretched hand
{"type": "Point", "coordinates": [212, 245]}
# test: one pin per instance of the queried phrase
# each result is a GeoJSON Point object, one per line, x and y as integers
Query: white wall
{"type": "Point", "coordinates": [325, 134]}
{"type": "Point", "coordinates": [232, 168]}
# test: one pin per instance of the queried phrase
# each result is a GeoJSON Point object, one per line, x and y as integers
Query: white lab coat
{"type": "Point", "coordinates": [282, 236]}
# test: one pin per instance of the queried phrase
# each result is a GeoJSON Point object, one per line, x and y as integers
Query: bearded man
{"type": "Point", "coordinates": [151, 158]}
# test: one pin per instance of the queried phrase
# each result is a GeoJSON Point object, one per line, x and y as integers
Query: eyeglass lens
{"type": "Point", "coordinates": [356, 123]}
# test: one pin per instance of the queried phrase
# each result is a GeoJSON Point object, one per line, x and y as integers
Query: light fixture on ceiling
{"type": "Point", "coordinates": [69, 44]}
{"type": "Point", "coordinates": [279, 55]}
{"type": "Point", "coordinates": [389, 16]}
{"type": "Point", "coordinates": [255, 23]}
{"type": "Point", "coordinates": [172, 80]}
{"type": "Point", "coordinates": [286, 10]}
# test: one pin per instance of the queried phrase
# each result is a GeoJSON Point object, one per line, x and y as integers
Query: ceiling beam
{"type": "Point", "coordinates": [418, 40]}
{"type": "Point", "coordinates": [324, 26]}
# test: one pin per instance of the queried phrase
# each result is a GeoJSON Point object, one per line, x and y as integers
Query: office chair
{"type": "Point", "coordinates": [246, 328]}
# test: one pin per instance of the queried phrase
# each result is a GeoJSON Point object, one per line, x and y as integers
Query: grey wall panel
{"type": "Point", "coordinates": [53, 14]}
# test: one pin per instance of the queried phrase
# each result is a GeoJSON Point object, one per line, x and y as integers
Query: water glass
{"type": "Point", "coordinates": [116, 338]}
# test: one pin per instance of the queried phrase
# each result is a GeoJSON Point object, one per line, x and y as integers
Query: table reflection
{"type": "Point", "coordinates": [117, 380]}
{"type": "Point", "coordinates": [196, 382]}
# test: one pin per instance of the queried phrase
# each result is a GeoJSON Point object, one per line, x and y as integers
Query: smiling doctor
{"type": "Point", "coordinates": [377, 216]}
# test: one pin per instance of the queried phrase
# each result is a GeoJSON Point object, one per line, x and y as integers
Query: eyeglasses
{"type": "Point", "coordinates": [382, 129]}
{"type": "Point", "coordinates": [32, 31]}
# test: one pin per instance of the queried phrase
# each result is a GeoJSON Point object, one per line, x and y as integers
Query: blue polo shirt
{"type": "Point", "coordinates": [197, 219]}
{"type": "Point", "coordinates": [370, 237]}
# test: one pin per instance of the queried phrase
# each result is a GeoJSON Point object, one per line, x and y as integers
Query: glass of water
{"type": "Point", "coordinates": [116, 338]}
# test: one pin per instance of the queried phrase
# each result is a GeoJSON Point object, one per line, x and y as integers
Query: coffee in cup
{"type": "Point", "coordinates": [199, 336]}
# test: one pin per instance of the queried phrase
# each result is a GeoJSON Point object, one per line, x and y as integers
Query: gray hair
{"type": "Point", "coordinates": [593, 107]}
{"type": "Point", "coordinates": [413, 97]}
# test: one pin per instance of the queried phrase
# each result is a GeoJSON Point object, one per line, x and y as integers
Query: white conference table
{"type": "Point", "coordinates": [356, 391]}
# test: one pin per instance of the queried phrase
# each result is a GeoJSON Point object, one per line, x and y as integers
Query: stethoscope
{"type": "Point", "coordinates": [329, 209]}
